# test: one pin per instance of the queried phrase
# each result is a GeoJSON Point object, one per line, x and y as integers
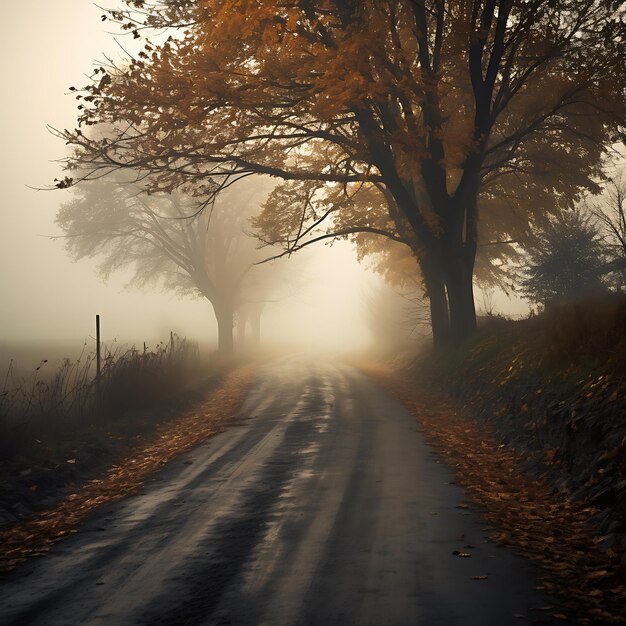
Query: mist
{"type": "Point", "coordinates": [50, 301]}
{"type": "Point", "coordinates": [359, 276]}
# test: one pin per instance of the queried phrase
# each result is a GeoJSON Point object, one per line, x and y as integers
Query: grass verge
{"type": "Point", "coordinates": [61, 429]}
{"type": "Point", "coordinates": [45, 407]}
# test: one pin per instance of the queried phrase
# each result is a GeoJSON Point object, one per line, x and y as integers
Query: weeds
{"type": "Point", "coordinates": [591, 329]}
{"type": "Point", "coordinates": [34, 407]}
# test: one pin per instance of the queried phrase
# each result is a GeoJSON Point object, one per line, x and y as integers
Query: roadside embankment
{"type": "Point", "coordinates": [532, 417]}
{"type": "Point", "coordinates": [552, 388]}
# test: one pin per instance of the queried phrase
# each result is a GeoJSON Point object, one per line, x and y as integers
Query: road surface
{"type": "Point", "coordinates": [323, 505]}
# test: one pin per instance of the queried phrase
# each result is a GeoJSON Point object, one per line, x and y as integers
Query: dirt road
{"type": "Point", "coordinates": [323, 505]}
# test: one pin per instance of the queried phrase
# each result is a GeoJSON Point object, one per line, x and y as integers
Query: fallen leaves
{"type": "Point", "coordinates": [36, 536]}
{"type": "Point", "coordinates": [462, 555]}
{"type": "Point", "coordinates": [523, 512]}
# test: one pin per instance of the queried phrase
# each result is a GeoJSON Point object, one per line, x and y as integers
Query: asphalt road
{"type": "Point", "coordinates": [322, 505]}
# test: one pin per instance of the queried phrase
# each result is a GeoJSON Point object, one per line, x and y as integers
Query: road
{"type": "Point", "coordinates": [322, 505]}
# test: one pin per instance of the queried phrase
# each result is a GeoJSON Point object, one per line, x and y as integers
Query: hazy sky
{"type": "Point", "coordinates": [47, 47]}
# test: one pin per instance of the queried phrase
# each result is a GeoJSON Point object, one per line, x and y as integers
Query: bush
{"type": "Point", "coordinates": [593, 329]}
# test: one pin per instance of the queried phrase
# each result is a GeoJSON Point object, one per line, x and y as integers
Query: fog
{"type": "Point", "coordinates": [299, 378]}
{"type": "Point", "coordinates": [47, 298]}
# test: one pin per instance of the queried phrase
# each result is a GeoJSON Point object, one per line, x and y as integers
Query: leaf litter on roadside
{"type": "Point", "coordinates": [35, 536]}
{"type": "Point", "coordinates": [523, 512]}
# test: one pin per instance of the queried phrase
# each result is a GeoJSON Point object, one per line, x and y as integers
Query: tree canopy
{"type": "Point", "coordinates": [436, 105]}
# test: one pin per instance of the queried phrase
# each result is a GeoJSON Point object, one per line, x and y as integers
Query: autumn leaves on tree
{"type": "Point", "coordinates": [439, 124]}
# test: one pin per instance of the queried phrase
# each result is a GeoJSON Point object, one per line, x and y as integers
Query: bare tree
{"type": "Point", "coordinates": [611, 213]}
{"type": "Point", "coordinates": [172, 240]}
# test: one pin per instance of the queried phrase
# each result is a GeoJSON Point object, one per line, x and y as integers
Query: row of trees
{"type": "Point", "coordinates": [449, 126]}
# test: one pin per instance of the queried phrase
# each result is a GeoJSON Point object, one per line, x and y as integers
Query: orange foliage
{"type": "Point", "coordinates": [456, 109]}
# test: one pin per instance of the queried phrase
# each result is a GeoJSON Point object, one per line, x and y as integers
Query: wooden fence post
{"type": "Point", "coordinates": [98, 355]}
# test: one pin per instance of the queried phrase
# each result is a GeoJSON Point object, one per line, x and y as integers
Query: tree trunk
{"type": "Point", "coordinates": [241, 323]}
{"type": "Point", "coordinates": [255, 327]}
{"type": "Point", "coordinates": [225, 318]}
{"type": "Point", "coordinates": [436, 291]}
{"type": "Point", "coordinates": [460, 292]}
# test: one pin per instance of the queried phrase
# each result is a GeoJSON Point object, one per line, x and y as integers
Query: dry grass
{"type": "Point", "coordinates": [39, 409]}
{"type": "Point", "coordinates": [37, 535]}
{"type": "Point", "coordinates": [593, 329]}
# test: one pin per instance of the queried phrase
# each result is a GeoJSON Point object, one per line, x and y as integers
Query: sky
{"type": "Point", "coordinates": [46, 48]}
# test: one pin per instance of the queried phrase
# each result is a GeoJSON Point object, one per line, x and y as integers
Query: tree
{"type": "Point", "coordinates": [167, 240]}
{"type": "Point", "coordinates": [566, 261]}
{"type": "Point", "coordinates": [611, 213]}
{"type": "Point", "coordinates": [429, 102]}
{"type": "Point", "coordinates": [303, 213]}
